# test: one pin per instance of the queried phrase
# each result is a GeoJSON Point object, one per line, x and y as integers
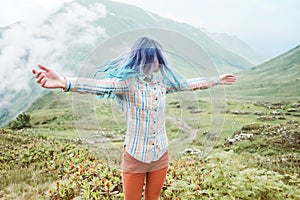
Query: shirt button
{"type": "Point", "coordinates": [156, 98]}
{"type": "Point", "coordinates": [153, 144]}
{"type": "Point", "coordinates": [153, 133]}
{"type": "Point", "coordinates": [155, 110]}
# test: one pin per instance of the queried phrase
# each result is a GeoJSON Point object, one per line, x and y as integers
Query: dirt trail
{"type": "Point", "coordinates": [184, 127]}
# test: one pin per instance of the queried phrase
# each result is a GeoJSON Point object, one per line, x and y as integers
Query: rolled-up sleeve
{"type": "Point", "coordinates": [96, 86]}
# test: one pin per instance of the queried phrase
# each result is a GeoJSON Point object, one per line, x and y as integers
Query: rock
{"type": "Point", "coordinates": [191, 107]}
{"type": "Point", "coordinates": [240, 112]}
{"type": "Point", "coordinates": [238, 137]}
{"type": "Point", "coordinates": [230, 141]}
{"type": "Point", "coordinates": [266, 118]}
{"type": "Point", "coordinates": [258, 113]}
{"type": "Point", "coordinates": [196, 111]}
{"type": "Point", "coordinates": [192, 151]}
{"type": "Point", "coordinates": [292, 110]}
{"type": "Point", "coordinates": [281, 117]}
{"type": "Point", "coordinates": [276, 112]}
{"type": "Point", "coordinates": [295, 105]}
{"type": "Point", "coordinates": [296, 114]}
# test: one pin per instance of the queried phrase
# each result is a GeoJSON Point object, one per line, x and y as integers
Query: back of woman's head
{"type": "Point", "coordinates": [142, 55]}
{"type": "Point", "coordinates": [139, 62]}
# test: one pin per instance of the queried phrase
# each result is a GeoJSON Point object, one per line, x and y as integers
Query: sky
{"type": "Point", "coordinates": [270, 27]}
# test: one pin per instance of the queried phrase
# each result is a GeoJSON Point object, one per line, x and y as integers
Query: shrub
{"type": "Point", "coordinates": [22, 121]}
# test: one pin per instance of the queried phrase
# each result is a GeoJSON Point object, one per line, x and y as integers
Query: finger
{"type": "Point", "coordinates": [38, 74]}
{"type": "Point", "coordinates": [43, 82]}
{"type": "Point", "coordinates": [225, 76]}
{"type": "Point", "coordinates": [42, 67]}
{"type": "Point", "coordinates": [40, 79]}
{"type": "Point", "coordinates": [231, 77]}
{"type": "Point", "coordinates": [231, 80]}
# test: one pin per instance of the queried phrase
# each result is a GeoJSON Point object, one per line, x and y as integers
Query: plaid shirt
{"type": "Point", "coordinates": [144, 105]}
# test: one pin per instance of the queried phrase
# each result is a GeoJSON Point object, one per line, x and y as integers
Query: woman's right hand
{"type": "Point", "coordinates": [48, 78]}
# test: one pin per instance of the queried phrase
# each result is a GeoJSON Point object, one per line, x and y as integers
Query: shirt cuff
{"type": "Point", "coordinates": [69, 84]}
{"type": "Point", "coordinates": [213, 80]}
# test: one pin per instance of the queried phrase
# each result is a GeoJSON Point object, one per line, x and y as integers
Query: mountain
{"type": "Point", "coordinates": [277, 78]}
{"type": "Point", "coordinates": [237, 46]}
{"type": "Point", "coordinates": [68, 36]}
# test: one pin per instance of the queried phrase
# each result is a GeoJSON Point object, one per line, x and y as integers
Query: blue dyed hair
{"type": "Point", "coordinates": [139, 63]}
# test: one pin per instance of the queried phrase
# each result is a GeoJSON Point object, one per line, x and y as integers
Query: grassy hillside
{"type": "Point", "coordinates": [74, 146]}
{"type": "Point", "coordinates": [278, 78]}
{"type": "Point", "coordinates": [51, 160]}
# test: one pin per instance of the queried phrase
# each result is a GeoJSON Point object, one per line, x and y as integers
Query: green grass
{"type": "Point", "coordinates": [61, 169]}
{"type": "Point", "coordinates": [275, 79]}
{"type": "Point", "coordinates": [61, 120]}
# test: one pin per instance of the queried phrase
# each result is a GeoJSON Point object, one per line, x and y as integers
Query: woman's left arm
{"type": "Point", "coordinates": [205, 82]}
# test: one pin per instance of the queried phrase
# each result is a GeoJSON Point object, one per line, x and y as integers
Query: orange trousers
{"type": "Point", "coordinates": [133, 184]}
{"type": "Point", "coordinates": [134, 180]}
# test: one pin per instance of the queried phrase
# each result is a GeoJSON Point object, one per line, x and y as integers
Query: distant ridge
{"type": "Point", "coordinates": [236, 45]}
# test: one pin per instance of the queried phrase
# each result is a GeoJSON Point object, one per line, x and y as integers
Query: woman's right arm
{"type": "Point", "coordinates": [96, 86]}
{"type": "Point", "coordinates": [48, 78]}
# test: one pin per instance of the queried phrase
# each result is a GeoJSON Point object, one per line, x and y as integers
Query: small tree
{"type": "Point", "coordinates": [22, 121]}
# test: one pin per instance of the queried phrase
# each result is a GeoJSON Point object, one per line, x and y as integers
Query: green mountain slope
{"type": "Point", "coordinates": [123, 17]}
{"type": "Point", "coordinates": [277, 78]}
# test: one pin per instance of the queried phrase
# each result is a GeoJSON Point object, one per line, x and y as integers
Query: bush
{"type": "Point", "coordinates": [22, 121]}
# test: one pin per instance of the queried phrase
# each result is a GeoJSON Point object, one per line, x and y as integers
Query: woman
{"type": "Point", "coordinates": [143, 98]}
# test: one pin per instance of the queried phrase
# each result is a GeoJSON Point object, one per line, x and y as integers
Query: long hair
{"type": "Point", "coordinates": [139, 63]}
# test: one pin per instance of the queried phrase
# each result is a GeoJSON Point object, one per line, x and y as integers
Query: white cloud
{"type": "Point", "coordinates": [26, 44]}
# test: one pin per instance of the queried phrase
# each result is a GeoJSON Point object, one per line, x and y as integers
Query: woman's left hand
{"type": "Point", "coordinates": [227, 79]}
